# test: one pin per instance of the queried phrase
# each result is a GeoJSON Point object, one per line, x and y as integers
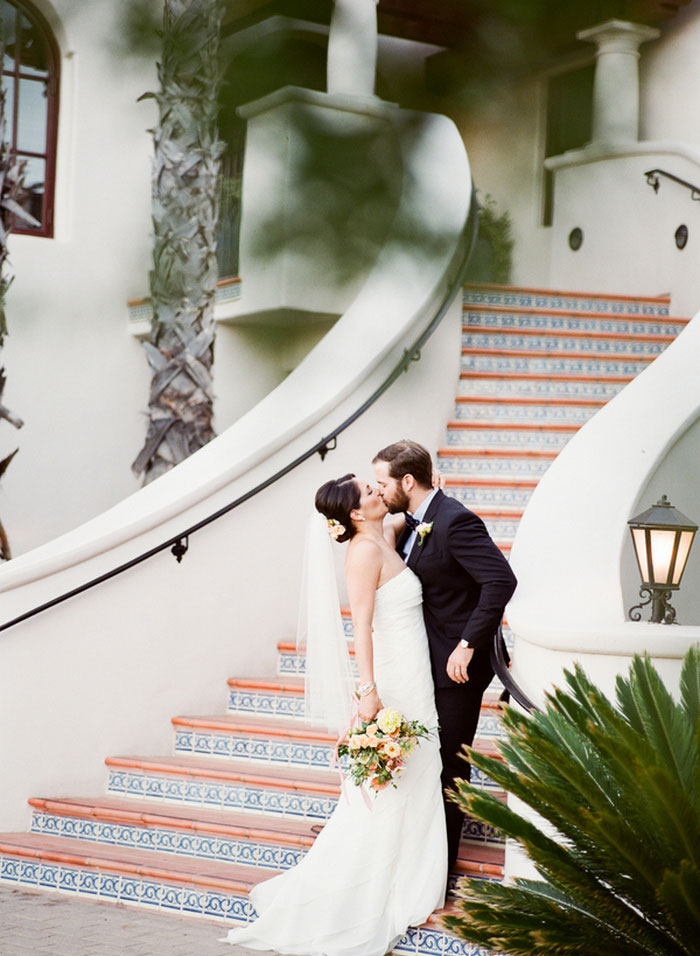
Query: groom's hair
{"type": "Point", "coordinates": [408, 458]}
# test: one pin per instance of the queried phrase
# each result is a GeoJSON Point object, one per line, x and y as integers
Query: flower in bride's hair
{"type": "Point", "coordinates": [335, 528]}
{"type": "Point", "coordinates": [389, 720]}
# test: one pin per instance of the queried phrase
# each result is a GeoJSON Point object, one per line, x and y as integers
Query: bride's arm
{"type": "Point", "coordinates": [362, 569]}
{"type": "Point", "coordinates": [393, 526]}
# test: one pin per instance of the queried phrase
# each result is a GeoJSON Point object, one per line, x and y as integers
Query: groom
{"type": "Point", "coordinates": [466, 585]}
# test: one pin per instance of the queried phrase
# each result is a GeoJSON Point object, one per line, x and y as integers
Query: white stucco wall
{"type": "Point", "coordinates": [74, 375]}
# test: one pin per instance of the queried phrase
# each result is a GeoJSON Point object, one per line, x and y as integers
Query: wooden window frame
{"type": "Point", "coordinates": [23, 8]}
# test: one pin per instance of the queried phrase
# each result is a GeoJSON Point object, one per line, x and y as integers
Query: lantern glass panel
{"type": "Point", "coordinates": [682, 557]}
{"type": "Point", "coordinates": [661, 553]}
{"type": "Point", "coordinates": [640, 546]}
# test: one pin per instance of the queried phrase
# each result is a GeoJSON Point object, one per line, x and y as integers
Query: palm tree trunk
{"type": "Point", "coordinates": [185, 224]}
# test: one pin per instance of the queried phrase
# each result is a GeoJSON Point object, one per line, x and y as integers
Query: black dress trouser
{"type": "Point", "coordinates": [458, 708]}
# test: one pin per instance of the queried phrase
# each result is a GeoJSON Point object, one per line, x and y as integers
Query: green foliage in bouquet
{"type": "Point", "coordinates": [621, 787]}
{"type": "Point", "coordinates": [376, 749]}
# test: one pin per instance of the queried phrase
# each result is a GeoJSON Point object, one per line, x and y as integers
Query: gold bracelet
{"type": "Point", "coordinates": [364, 690]}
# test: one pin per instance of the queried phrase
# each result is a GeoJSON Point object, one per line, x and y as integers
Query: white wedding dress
{"type": "Point", "coordinates": [373, 870]}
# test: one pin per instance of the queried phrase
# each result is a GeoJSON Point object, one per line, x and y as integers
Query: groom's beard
{"type": "Point", "coordinates": [398, 503]}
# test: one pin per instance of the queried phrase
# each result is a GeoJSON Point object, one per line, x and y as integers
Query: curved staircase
{"type": "Point", "coordinates": [244, 793]}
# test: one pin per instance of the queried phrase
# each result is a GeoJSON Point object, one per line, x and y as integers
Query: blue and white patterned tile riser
{"type": "Point", "coordinates": [221, 795]}
{"type": "Point", "coordinates": [505, 389]}
{"type": "Point", "coordinates": [243, 852]}
{"type": "Point", "coordinates": [569, 323]}
{"type": "Point", "coordinates": [561, 345]}
{"type": "Point", "coordinates": [291, 664]}
{"type": "Point", "coordinates": [242, 746]}
{"type": "Point", "coordinates": [476, 497]}
{"type": "Point", "coordinates": [260, 703]}
{"type": "Point", "coordinates": [493, 467]}
{"type": "Point", "coordinates": [508, 439]}
{"type": "Point", "coordinates": [522, 298]}
{"type": "Point", "coordinates": [131, 891]}
{"type": "Point", "coordinates": [232, 795]}
{"type": "Point", "coordinates": [554, 365]}
{"type": "Point", "coordinates": [543, 415]}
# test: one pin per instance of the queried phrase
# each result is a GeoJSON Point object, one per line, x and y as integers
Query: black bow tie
{"type": "Point", "coordinates": [411, 522]}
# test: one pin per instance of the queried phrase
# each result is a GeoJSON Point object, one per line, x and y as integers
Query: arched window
{"type": "Point", "coordinates": [30, 81]}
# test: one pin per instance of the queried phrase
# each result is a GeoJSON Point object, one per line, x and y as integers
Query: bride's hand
{"type": "Point", "coordinates": [369, 706]}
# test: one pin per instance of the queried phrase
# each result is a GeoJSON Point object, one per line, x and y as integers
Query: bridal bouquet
{"type": "Point", "coordinates": [376, 749]}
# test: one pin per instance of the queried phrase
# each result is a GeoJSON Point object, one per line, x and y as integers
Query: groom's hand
{"type": "Point", "coordinates": [458, 662]}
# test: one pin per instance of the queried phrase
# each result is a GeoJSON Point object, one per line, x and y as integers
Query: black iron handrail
{"type": "Point", "coordinates": [179, 543]}
{"type": "Point", "coordinates": [652, 176]}
{"type": "Point", "coordinates": [499, 662]}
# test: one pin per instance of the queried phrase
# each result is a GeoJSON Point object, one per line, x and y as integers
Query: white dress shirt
{"type": "Point", "coordinates": [418, 514]}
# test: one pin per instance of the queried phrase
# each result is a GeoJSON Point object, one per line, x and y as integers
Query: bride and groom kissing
{"type": "Point", "coordinates": [427, 587]}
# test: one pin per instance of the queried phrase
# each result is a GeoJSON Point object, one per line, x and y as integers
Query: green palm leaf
{"type": "Point", "coordinates": [621, 869]}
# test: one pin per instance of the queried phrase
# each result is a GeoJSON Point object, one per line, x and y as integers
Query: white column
{"type": "Point", "coordinates": [352, 47]}
{"type": "Point", "coordinates": [616, 83]}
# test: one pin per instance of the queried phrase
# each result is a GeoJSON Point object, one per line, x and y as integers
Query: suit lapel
{"type": "Point", "coordinates": [418, 549]}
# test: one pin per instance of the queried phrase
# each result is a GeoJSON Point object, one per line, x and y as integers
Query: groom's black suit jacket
{"type": "Point", "coordinates": [466, 581]}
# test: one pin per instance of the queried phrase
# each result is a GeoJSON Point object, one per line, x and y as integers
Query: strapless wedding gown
{"type": "Point", "coordinates": [373, 870]}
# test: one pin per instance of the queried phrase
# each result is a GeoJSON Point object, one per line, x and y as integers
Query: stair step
{"type": "Point", "coordinates": [221, 836]}
{"type": "Point", "coordinates": [212, 891]}
{"type": "Point", "coordinates": [524, 363]}
{"type": "Point", "coordinates": [506, 497]}
{"type": "Point", "coordinates": [524, 412]}
{"type": "Point", "coordinates": [286, 743]}
{"type": "Point", "coordinates": [125, 875]}
{"type": "Point", "coordinates": [241, 785]}
{"type": "Point", "coordinates": [504, 438]}
{"type": "Point", "coordinates": [230, 785]}
{"type": "Point", "coordinates": [522, 297]}
{"type": "Point", "coordinates": [532, 342]}
{"type": "Point", "coordinates": [493, 465]}
{"type": "Point", "coordinates": [284, 700]}
{"type": "Point", "coordinates": [506, 388]}
{"type": "Point", "coordinates": [574, 322]}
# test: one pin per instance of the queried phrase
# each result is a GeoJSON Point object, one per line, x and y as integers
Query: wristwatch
{"type": "Point", "coordinates": [464, 643]}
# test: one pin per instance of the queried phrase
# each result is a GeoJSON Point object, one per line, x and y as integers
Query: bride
{"type": "Point", "coordinates": [378, 866]}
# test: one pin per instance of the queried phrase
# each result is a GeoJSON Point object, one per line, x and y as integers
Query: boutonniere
{"type": "Point", "coordinates": [423, 530]}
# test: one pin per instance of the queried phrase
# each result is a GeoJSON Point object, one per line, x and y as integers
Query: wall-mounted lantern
{"type": "Point", "coordinates": [662, 538]}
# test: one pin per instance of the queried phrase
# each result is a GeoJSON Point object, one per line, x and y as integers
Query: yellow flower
{"type": "Point", "coordinates": [389, 720]}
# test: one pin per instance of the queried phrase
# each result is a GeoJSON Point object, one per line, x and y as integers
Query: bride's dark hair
{"type": "Point", "coordinates": [336, 499]}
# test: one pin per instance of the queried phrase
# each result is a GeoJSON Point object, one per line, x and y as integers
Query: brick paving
{"type": "Point", "coordinates": [50, 924]}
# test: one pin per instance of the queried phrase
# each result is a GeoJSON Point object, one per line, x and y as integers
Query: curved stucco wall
{"type": "Point", "coordinates": [572, 554]}
{"type": "Point", "coordinates": [103, 673]}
